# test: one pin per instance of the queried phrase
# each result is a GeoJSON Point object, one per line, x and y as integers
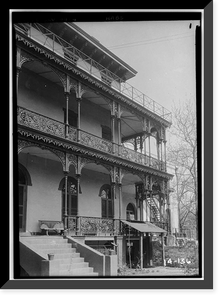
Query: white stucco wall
{"type": "Point", "coordinates": [128, 196]}
{"type": "Point", "coordinates": [89, 200]}
{"type": "Point", "coordinates": [43, 197]}
{"type": "Point", "coordinates": [42, 96]}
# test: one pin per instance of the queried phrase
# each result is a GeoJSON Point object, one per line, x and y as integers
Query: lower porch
{"type": "Point", "coordinates": [131, 241]}
{"type": "Point", "coordinates": [87, 200]}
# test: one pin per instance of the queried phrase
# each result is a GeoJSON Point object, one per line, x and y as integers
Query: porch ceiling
{"type": "Point", "coordinates": [130, 122]}
{"type": "Point", "coordinates": [96, 167]}
{"type": "Point", "coordinates": [130, 179]}
{"type": "Point", "coordinates": [43, 153]}
{"type": "Point", "coordinates": [43, 70]}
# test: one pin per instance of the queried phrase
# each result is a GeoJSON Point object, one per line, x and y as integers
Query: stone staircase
{"type": "Point", "coordinates": [70, 262]}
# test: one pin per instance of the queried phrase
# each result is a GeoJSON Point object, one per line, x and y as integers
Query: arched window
{"type": "Point", "coordinates": [71, 196]}
{"type": "Point", "coordinates": [106, 201]}
{"type": "Point", "coordinates": [130, 212]}
{"type": "Point", "coordinates": [23, 181]}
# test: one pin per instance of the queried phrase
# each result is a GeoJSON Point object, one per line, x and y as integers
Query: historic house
{"type": "Point", "coordinates": [92, 173]}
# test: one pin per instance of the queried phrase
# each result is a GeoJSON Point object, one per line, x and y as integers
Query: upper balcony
{"type": "Point", "coordinates": [67, 51]}
{"type": "Point", "coordinates": [48, 126]}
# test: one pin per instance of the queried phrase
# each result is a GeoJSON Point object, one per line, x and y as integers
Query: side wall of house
{"type": "Point", "coordinates": [43, 197]}
{"type": "Point", "coordinates": [89, 200]}
{"type": "Point", "coordinates": [44, 97]}
{"type": "Point", "coordinates": [128, 196]}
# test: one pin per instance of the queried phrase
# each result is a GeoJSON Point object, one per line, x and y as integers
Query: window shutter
{"type": "Point", "coordinates": [104, 208]}
{"type": "Point", "coordinates": [73, 205]}
{"type": "Point", "coordinates": [110, 208]}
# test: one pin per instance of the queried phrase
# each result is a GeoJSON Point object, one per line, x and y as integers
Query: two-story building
{"type": "Point", "coordinates": [91, 148]}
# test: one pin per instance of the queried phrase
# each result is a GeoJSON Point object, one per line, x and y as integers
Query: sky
{"type": "Point", "coordinates": [162, 53]}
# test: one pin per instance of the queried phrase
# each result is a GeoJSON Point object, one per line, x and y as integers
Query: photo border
{"type": "Point", "coordinates": [206, 282]}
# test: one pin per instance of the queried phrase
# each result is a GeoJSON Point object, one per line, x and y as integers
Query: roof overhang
{"type": "Point", "coordinates": [144, 227]}
{"type": "Point", "coordinates": [90, 46]}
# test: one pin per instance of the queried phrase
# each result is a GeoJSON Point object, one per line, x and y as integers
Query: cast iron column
{"type": "Point", "coordinates": [119, 135]}
{"type": "Point", "coordinates": [165, 154]}
{"type": "Point", "coordinates": [79, 93]}
{"type": "Point", "coordinates": [78, 118]}
{"type": "Point", "coordinates": [113, 132]}
{"type": "Point", "coordinates": [120, 199]}
{"type": "Point", "coordinates": [66, 201]}
{"type": "Point", "coordinates": [141, 249]}
{"type": "Point", "coordinates": [18, 69]}
{"type": "Point", "coordinates": [163, 250]}
{"type": "Point", "coordinates": [149, 136]}
{"type": "Point", "coordinates": [66, 114]}
{"type": "Point", "coordinates": [150, 250]}
{"type": "Point", "coordinates": [78, 191]}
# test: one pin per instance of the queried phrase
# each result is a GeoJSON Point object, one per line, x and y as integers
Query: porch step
{"type": "Point", "coordinates": [65, 256]}
{"type": "Point", "coordinates": [45, 240]}
{"type": "Point", "coordinates": [57, 250]}
{"type": "Point", "coordinates": [70, 262]}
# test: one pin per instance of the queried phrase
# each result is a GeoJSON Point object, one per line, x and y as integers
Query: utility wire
{"type": "Point", "coordinates": [151, 41]}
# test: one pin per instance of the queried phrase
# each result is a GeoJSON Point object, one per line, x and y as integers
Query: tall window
{"type": "Point", "coordinates": [106, 133]}
{"type": "Point", "coordinates": [130, 212]}
{"type": "Point", "coordinates": [72, 117]}
{"type": "Point", "coordinates": [72, 205]}
{"type": "Point", "coordinates": [106, 201]}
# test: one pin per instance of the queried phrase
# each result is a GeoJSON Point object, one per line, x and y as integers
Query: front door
{"type": "Point", "coordinates": [72, 205]}
{"type": "Point", "coordinates": [132, 253]}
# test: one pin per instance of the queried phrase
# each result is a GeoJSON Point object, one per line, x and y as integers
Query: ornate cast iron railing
{"type": "Point", "coordinates": [56, 128]}
{"type": "Point", "coordinates": [64, 49]}
{"type": "Point", "coordinates": [39, 122]}
{"type": "Point", "coordinates": [80, 225]}
{"type": "Point", "coordinates": [96, 226]}
{"type": "Point", "coordinates": [95, 142]}
{"type": "Point", "coordinates": [133, 155]}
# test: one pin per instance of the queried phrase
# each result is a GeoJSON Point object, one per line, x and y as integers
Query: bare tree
{"type": "Point", "coordinates": [182, 153]}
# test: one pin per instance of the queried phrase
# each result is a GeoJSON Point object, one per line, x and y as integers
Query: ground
{"type": "Point", "coordinates": [158, 271]}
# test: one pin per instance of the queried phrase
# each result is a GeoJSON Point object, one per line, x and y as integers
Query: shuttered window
{"type": "Point", "coordinates": [106, 201]}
